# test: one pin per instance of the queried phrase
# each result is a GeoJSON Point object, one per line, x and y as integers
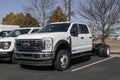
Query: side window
{"type": "Point", "coordinates": [74, 30]}
{"type": "Point", "coordinates": [83, 29]}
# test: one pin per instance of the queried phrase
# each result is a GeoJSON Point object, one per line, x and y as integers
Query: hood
{"type": "Point", "coordinates": [6, 39]}
{"type": "Point", "coordinates": [42, 35]}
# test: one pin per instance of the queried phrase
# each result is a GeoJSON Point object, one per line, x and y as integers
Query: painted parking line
{"type": "Point", "coordinates": [73, 70]}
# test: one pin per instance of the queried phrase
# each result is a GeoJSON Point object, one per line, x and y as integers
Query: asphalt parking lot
{"type": "Point", "coordinates": [81, 69]}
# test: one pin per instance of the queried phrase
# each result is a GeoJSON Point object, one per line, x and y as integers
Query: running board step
{"type": "Point", "coordinates": [80, 55]}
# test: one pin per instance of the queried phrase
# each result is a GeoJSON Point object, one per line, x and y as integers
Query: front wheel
{"type": "Point", "coordinates": [62, 61]}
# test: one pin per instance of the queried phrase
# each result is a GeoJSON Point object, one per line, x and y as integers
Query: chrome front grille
{"type": "Point", "coordinates": [29, 45]}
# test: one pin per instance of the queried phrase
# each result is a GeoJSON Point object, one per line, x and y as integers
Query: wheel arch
{"type": "Point", "coordinates": [62, 44]}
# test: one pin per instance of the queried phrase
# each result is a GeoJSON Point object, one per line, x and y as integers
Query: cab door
{"type": "Point", "coordinates": [76, 41]}
{"type": "Point", "coordinates": [86, 38]}
{"type": "Point", "coordinates": [81, 38]}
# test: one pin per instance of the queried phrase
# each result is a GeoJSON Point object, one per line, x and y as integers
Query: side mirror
{"type": "Point", "coordinates": [74, 33]}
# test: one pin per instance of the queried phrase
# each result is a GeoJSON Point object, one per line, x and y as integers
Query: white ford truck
{"type": "Point", "coordinates": [7, 43]}
{"type": "Point", "coordinates": [56, 44]}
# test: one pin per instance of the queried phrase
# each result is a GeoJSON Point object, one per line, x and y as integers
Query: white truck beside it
{"type": "Point", "coordinates": [56, 44]}
{"type": "Point", "coordinates": [7, 44]}
{"type": "Point", "coordinates": [6, 29]}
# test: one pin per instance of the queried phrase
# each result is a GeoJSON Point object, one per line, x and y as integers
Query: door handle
{"type": "Point", "coordinates": [82, 37]}
{"type": "Point", "coordinates": [90, 37]}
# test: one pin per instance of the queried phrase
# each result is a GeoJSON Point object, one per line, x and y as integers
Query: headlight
{"type": "Point", "coordinates": [48, 43]}
{"type": "Point", "coordinates": [5, 45]}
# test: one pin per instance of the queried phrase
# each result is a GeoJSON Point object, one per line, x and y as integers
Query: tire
{"type": "Point", "coordinates": [62, 61]}
{"type": "Point", "coordinates": [95, 50]}
{"type": "Point", "coordinates": [104, 50]}
{"type": "Point", "coordinates": [12, 58]}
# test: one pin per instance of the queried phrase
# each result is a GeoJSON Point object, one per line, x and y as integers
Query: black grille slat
{"type": "Point", "coordinates": [35, 45]}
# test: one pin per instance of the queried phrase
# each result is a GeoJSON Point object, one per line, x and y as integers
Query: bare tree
{"type": "Point", "coordinates": [40, 9]}
{"type": "Point", "coordinates": [103, 13]}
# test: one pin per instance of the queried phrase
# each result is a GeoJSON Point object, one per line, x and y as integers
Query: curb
{"type": "Point", "coordinates": [115, 53]}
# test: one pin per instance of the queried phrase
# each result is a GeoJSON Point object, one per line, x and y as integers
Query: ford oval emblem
{"type": "Point", "coordinates": [26, 44]}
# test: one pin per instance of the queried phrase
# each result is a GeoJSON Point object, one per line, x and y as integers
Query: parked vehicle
{"type": "Point", "coordinates": [6, 29]}
{"type": "Point", "coordinates": [56, 44]}
{"type": "Point", "coordinates": [4, 33]}
{"type": "Point", "coordinates": [7, 43]}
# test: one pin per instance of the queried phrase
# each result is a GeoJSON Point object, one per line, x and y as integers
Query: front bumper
{"type": "Point", "coordinates": [34, 58]}
{"type": "Point", "coordinates": [5, 54]}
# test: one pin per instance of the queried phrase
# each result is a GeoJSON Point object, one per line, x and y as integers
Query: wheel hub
{"type": "Point", "coordinates": [64, 61]}
{"type": "Point", "coordinates": [108, 51]}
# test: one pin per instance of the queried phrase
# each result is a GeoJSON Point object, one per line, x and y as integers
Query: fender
{"type": "Point", "coordinates": [60, 43]}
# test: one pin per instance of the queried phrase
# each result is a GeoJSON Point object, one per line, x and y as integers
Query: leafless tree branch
{"type": "Point", "coordinates": [40, 9]}
{"type": "Point", "coordinates": [103, 13]}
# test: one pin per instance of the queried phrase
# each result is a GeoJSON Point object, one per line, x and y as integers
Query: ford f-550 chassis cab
{"type": "Point", "coordinates": [55, 44]}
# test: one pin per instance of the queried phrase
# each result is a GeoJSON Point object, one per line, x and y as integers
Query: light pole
{"type": "Point", "coordinates": [69, 10]}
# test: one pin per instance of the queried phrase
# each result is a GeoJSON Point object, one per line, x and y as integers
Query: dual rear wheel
{"type": "Point", "coordinates": [104, 50]}
{"type": "Point", "coordinates": [101, 50]}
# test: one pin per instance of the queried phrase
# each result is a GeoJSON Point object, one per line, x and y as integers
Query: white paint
{"type": "Point", "coordinates": [91, 64]}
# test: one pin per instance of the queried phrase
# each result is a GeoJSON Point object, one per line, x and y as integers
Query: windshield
{"type": "Point", "coordinates": [4, 33]}
{"type": "Point", "coordinates": [18, 32]}
{"type": "Point", "coordinates": [55, 28]}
